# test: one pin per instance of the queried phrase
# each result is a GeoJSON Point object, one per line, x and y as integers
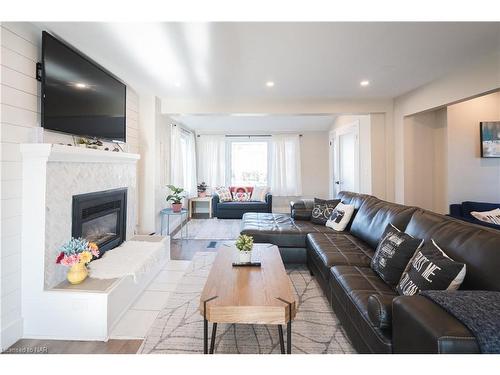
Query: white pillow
{"type": "Point", "coordinates": [492, 216]}
{"type": "Point", "coordinates": [259, 193]}
{"type": "Point", "coordinates": [340, 217]}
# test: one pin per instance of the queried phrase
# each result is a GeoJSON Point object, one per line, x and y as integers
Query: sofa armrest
{"type": "Point", "coordinates": [301, 209]}
{"type": "Point", "coordinates": [456, 210]}
{"type": "Point", "coordinates": [421, 326]}
{"type": "Point", "coordinates": [380, 310]}
{"type": "Point", "coordinates": [215, 201]}
{"type": "Point", "coordinates": [269, 202]}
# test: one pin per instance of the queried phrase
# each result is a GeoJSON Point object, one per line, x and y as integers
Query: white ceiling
{"type": "Point", "coordinates": [252, 124]}
{"type": "Point", "coordinates": [305, 60]}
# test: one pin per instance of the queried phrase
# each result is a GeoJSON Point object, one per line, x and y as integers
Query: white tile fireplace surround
{"type": "Point", "coordinates": [71, 171]}
{"type": "Point", "coordinates": [52, 175]}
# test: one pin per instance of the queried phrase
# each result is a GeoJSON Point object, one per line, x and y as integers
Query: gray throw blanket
{"type": "Point", "coordinates": [478, 310]}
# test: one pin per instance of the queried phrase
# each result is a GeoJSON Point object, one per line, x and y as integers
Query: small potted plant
{"type": "Point", "coordinates": [76, 254]}
{"type": "Point", "coordinates": [244, 244]}
{"type": "Point", "coordinates": [175, 197]}
{"type": "Point", "coordinates": [202, 190]}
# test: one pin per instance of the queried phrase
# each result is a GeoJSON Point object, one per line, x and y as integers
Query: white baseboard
{"type": "Point", "coordinates": [11, 334]}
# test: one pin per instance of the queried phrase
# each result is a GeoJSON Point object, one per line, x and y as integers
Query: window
{"type": "Point", "coordinates": [248, 163]}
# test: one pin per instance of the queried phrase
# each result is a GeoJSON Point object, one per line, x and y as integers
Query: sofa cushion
{"type": "Point", "coordinates": [358, 284]}
{"type": "Point", "coordinates": [279, 229]}
{"type": "Point", "coordinates": [337, 248]}
{"type": "Point", "coordinates": [322, 210]}
{"type": "Point", "coordinates": [245, 205]}
{"type": "Point", "coordinates": [476, 246]}
{"type": "Point", "coordinates": [431, 269]}
{"type": "Point", "coordinates": [373, 217]}
{"type": "Point", "coordinates": [393, 254]}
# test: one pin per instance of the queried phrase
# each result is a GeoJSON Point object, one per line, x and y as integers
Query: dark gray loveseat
{"type": "Point", "coordinates": [235, 210]}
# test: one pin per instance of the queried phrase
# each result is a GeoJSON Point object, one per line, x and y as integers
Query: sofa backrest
{"type": "Point", "coordinates": [476, 246]}
{"type": "Point", "coordinates": [356, 199]}
{"type": "Point", "coordinates": [373, 217]}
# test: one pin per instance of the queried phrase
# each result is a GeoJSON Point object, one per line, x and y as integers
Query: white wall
{"type": "Point", "coordinates": [425, 160]}
{"type": "Point", "coordinates": [20, 123]}
{"type": "Point", "coordinates": [470, 81]}
{"type": "Point", "coordinates": [471, 177]}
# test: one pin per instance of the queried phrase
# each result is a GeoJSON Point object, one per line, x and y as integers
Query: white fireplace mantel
{"type": "Point", "coordinates": [69, 154]}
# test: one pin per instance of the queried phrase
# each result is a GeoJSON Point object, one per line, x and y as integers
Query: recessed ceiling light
{"type": "Point", "coordinates": [364, 83]}
{"type": "Point", "coordinates": [81, 85]}
{"type": "Point", "coordinates": [177, 84]}
{"type": "Point", "coordinates": [269, 83]}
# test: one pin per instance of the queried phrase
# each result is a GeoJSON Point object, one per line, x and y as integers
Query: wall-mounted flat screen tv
{"type": "Point", "coordinates": [78, 96]}
{"type": "Point", "coordinates": [490, 139]}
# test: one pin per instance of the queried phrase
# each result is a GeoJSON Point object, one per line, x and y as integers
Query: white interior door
{"type": "Point", "coordinates": [346, 154]}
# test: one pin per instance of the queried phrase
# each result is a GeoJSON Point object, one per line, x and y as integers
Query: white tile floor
{"type": "Point", "coordinates": [136, 322]}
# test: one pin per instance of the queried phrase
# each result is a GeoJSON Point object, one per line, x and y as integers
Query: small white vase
{"type": "Point", "coordinates": [245, 256]}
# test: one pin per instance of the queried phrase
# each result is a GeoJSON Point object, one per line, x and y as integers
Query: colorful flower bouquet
{"type": "Point", "coordinates": [77, 253]}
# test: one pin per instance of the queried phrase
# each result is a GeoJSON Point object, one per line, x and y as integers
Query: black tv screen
{"type": "Point", "coordinates": [78, 96]}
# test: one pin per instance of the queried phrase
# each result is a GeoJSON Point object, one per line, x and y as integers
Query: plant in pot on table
{"type": "Point", "coordinates": [76, 254]}
{"type": "Point", "coordinates": [202, 190]}
{"type": "Point", "coordinates": [244, 244]}
{"type": "Point", "coordinates": [175, 197]}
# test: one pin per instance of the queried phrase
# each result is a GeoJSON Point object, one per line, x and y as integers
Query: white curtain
{"type": "Point", "coordinates": [212, 160]}
{"type": "Point", "coordinates": [183, 160]}
{"type": "Point", "coordinates": [286, 179]}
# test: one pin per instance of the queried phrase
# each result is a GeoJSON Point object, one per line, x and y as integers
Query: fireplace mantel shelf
{"type": "Point", "coordinates": [72, 154]}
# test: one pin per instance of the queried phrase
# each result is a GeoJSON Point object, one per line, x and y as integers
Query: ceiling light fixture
{"type": "Point", "coordinates": [81, 85]}
{"type": "Point", "coordinates": [364, 83]}
{"type": "Point", "coordinates": [270, 84]}
{"type": "Point", "coordinates": [177, 84]}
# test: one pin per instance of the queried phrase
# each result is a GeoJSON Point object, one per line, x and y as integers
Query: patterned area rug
{"type": "Point", "coordinates": [179, 326]}
{"type": "Point", "coordinates": [207, 229]}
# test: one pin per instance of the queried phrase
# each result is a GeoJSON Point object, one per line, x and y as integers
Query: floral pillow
{"type": "Point", "coordinates": [224, 194]}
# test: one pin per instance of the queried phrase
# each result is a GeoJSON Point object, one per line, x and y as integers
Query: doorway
{"type": "Point", "coordinates": [344, 145]}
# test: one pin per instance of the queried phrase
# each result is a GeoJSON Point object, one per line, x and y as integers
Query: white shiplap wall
{"type": "Point", "coordinates": [20, 123]}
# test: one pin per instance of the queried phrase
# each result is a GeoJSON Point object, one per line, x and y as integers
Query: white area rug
{"type": "Point", "coordinates": [208, 229]}
{"type": "Point", "coordinates": [179, 326]}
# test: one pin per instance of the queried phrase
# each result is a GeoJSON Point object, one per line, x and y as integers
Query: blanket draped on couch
{"type": "Point", "coordinates": [478, 310]}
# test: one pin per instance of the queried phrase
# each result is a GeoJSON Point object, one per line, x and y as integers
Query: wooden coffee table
{"type": "Point", "coordinates": [248, 295]}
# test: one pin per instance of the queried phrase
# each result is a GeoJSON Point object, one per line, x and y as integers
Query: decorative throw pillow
{"type": "Point", "coordinates": [431, 269]}
{"type": "Point", "coordinates": [322, 210]}
{"type": "Point", "coordinates": [340, 217]}
{"type": "Point", "coordinates": [241, 197]}
{"type": "Point", "coordinates": [259, 193]}
{"type": "Point", "coordinates": [492, 216]}
{"type": "Point", "coordinates": [393, 254]}
{"type": "Point", "coordinates": [224, 194]}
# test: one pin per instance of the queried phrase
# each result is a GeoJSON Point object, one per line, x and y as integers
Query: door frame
{"type": "Point", "coordinates": [335, 157]}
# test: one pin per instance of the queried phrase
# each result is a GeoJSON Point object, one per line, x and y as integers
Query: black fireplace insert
{"type": "Point", "coordinates": [101, 217]}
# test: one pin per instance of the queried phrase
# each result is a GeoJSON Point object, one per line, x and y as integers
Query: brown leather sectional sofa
{"type": "Point", "coordinates": [375, 318]}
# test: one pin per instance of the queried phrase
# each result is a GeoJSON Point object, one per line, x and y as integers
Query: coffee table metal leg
{"type": "Point", "coordinates": [282, 342]}
{"type": "Point", "coordinates": [212, 339]}
{"type": "Point", "coordinates": [205, 336]}
{"type": "Point", "coordinates": [289, 337]}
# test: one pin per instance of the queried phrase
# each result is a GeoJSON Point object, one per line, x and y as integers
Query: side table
{"type": "Point", "coordinates": [168, 212]}
{"type": "Point", "coordinates": [193, 201]}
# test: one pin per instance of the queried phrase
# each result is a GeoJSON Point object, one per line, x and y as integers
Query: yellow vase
{"type": "Point", "coordinates": [77, 273]}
